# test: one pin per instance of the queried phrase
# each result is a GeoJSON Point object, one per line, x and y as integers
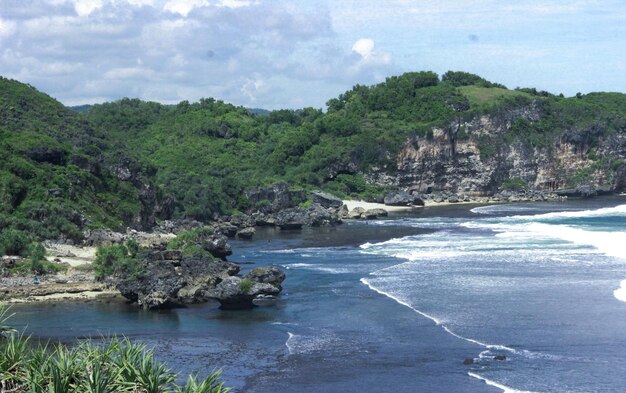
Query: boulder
{"type": "Point", "coordinates": [262, 219]}
{"type": "Point", "coordinates": [267, 275]}
{"type": "Point", "coordinates": [468, 361]}
{"type": "Point", "coordinates": [316, 215]}
{"type": "Point", "coordinates": [356, 213]}
{"type": "Point", "coordinates": [343, 212]}
{"type": "Point", "coordinates": [326, 200]}
{"type": "Point", "coordinates": [217, 245]}
{"type": "Point", "coordinates": [374, 213]}
{"type": "Point", "coordinates": [242, 220]}
{"type": "Point", "coordinates": [226, 229]}
{"type": "Point", "coordinates": [402, 198]}
{"type": "Point", "coordinates": [294, 218]}
{"type": "Point", "coordinates": [258, 287]}
{"type": "Point", "coordinates": [453, 199]}
{"type": "Point", "coordinates": [246, 233]}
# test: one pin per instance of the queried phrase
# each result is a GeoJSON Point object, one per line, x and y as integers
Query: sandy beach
{"type": "Point", "coordinates": [351, 204]}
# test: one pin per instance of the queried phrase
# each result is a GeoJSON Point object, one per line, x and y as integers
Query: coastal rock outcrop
{"type": "Point", "coordinates": [361, 213]}
{"type": "Point", "coordinates": [169, 279]}
{"type": "Point", "coordinates": [260, 286]}
{"type": "Point", "coordinates": [314, 216]}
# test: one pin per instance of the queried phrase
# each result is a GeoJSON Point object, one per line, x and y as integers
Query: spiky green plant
{"type": "Point", "coordinates": [5, 315]}
{"type": "Point", "coordinates": [211, 384]}
{"type": "Point", "coordinates": [111, 366]}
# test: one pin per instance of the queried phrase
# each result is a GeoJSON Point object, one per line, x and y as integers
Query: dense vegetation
{"type": "Point", "coordinates": [55, 172]}
{"type": "Point", "coordinates": [66, 171]}
{"type": "Point", "coordinates": [106, 367]}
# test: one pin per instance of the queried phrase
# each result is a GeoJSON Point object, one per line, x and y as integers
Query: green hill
{"type": "Point", "coordinates": [130, 162]}
{"type": "Point", "coordinates": [58, 172]}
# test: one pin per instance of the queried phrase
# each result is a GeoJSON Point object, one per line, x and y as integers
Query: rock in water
{"type": "Point", "coordinates": [246, 233]}
{"type": "Point", "coordinates": [258, 287]}
{"type": "Point", "coordinates": [163, 283]}
{"type": "Point", "coordinates": [291, 218]}
{"type": "Point", "coordinates": [267, 275]}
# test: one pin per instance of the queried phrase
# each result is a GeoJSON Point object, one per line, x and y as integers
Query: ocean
{"type": "Point", "coordinates": [532, 295]}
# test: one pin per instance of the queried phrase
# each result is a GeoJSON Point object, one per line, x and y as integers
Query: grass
{"type": "Point", "coordinates": [483, 95]}
{"type": "Point", "coordinates": [245, 285]}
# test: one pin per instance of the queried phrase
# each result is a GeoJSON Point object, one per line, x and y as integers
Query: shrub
{"type": "Point", "coordinates": [116, 258]}
{"type": "Point", "coordinates": [515, 185]}
{"type": "Point", "coordinates": [14, 242]}
{"type": "Point", "coordinates": [245, 285]}
{"type": "Point", "coordinates": [190, 242]}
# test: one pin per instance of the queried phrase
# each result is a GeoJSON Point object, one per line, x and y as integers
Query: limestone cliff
{"type": "Point", "coordinates": [476, 156]}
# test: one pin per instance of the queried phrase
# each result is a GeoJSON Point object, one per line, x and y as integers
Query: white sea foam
{"type": "Point", "coordinates": [501, 208]}
{"type": "Point", "coordinates": [620, 293]}
{"type": "Point", "coordinates": [498, 347]}
{"type": "Point", "coordinates": [437, 322]}
{"type": "Point", "coordinates": [609, 243]}
{"type": "Point", "coordinates": [289, 343]}
{"type": "Point", "coordinates": [319, 268]}
{"type": "Point", "coordinates": [505, 389]}
{"type": "Point", "coordinates": [302, 344]}
{"type": "Point", "coordinates": [619, 210]}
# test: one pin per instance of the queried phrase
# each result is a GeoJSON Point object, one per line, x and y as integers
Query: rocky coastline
{"type": "Point", "coordinates": [171, 279]}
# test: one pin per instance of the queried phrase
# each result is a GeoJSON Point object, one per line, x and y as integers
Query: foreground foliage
{"type": "Point", "coordinates": [112, 366]}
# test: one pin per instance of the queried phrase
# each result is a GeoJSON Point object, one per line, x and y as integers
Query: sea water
{"type": "Point", "coordinates": [399, 304]}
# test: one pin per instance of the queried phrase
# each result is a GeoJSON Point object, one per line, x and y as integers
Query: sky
{"type": "Point", "coordinates": [292, 54]}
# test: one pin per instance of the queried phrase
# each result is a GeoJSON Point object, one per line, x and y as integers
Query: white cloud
{"type": "Point", "coordinates": [235, 3]}
{"type": "Point", "coordinates": [86, 7]}
{"type": "Point", "coordinates": [252, 87]}
{"type": "Point", "coordinates": [127, 73]}
{"type": "Point", "coordinates": [364, 47]}
{"type": "Point", "coordinates": [184, 7]}
{"type": "Point", "coordinates": [7, 28]}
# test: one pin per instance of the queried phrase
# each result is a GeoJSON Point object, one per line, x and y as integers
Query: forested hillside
{"type": "Point", "coordinates": [59, 174]}
{"type": "Point", "coordinates": [130, 162]}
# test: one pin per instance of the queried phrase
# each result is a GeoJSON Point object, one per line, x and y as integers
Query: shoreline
{"type": "Point", "coordinates": [57, 292]}
{"type": "Point", "coordinates": [351, 204]}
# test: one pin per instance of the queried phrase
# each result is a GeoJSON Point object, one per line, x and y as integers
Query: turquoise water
{"type": "Point", "coordinates": [398, 304]}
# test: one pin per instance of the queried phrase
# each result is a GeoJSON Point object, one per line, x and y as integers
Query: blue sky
{"type": "Point", "coordinates": [291, 54]}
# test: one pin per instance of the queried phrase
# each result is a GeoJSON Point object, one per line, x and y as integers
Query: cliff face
{"type": "Point", "coordinates": [477, 156]}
